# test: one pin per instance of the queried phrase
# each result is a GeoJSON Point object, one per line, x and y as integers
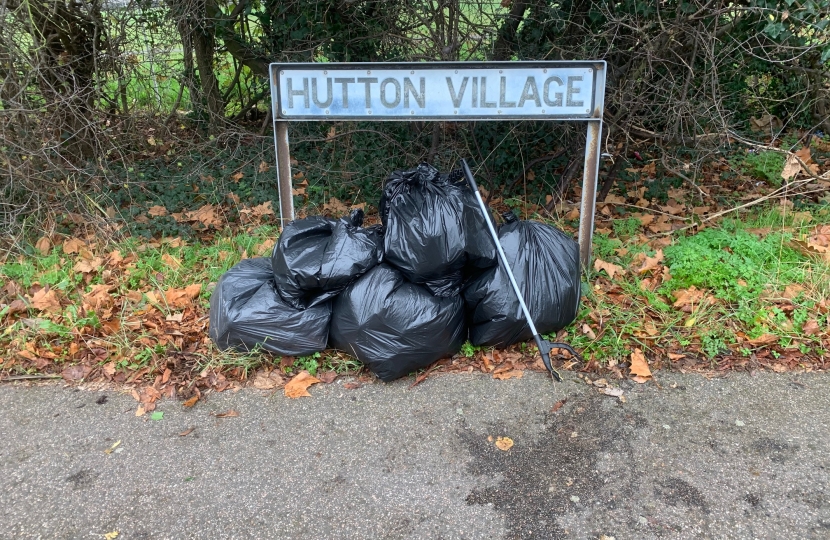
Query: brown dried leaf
{"type": "Point", "coordinates": [43, 245]}
{"type": "Point", "coordinates": [511, 374]}
{"type": "Point", "coordinates": [791, 168]}
{"type": "Point", "coordinates": [264, 381]}
{"type": "Point", "coordinates": [646, 219]}
{"type": "Point", "coordinates": [191, 402]}
{"type": "Point", "coordinates": [811, 328]}
{"type": "Point", "coordinates": [335, 207]}
{"type": "Point", "coordinates": [87, 266]}
{"type": "Point", "coordinates": [171, 261]}
{"type": "Point", "coordinates": [45, 300]}
{"type": "Point", "coordinates": [327, 377]}
{"type": "Point", "coordinates": [157, 211]}
{"type": "Point", "coordinates": [187, 432]}
{"type": "Point", "coordinates": [558, 405]}
{"type": "Point", "coordinates": [263, 209]}
{"type": "Point", "coordinates": [504, 443]}
{"type": "Point", "coordinates": [75, 373]}
{"type": "Point", "coordinates": [765, 339]}
{"type": "Point", "coordinates": [73, 245]}
{"type": "Point", "coordinates": [610, 268]}
{"type": "Point", "coordinates": [639, 367]}
{"type": "Point", "coordinates": [690, 296]}
{"type": "Point", "coordinates": [651, 263]}
{"type": "Point", "coordinates": [264, 167]}
{"type": "Point", "coordinates": [17, 306]}
{"type": "Point", "coordinates": [298, 386]}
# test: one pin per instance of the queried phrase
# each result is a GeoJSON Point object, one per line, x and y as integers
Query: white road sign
{"type": "Point", "coordinates": [450, 91]}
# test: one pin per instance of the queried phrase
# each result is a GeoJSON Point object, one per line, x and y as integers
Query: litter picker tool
{"type": "Point", "coordinates": [544, 346]}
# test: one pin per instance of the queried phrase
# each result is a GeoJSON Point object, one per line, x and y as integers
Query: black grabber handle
{"type": "Point", "coordinates": [544, 346]}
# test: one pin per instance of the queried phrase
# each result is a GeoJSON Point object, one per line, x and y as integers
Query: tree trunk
{"type": "Point", "coordinates": [506, 43]}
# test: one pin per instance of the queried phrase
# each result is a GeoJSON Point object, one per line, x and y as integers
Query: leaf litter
{"type": "Point", "coordinates": [151, 331]}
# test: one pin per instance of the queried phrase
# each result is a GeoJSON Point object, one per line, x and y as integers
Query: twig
{"type": "Point", "coordinates": [29, 377]}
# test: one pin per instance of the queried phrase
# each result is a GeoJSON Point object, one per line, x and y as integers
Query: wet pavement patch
{"type": "Point", "coordinates": [82, 479]}
{"type": "Point", "coordinates": [674, 491]}
{"type": "Point", "coordinates": [560, 472]}
{"type": "Point", "coordinates": [776, 451]}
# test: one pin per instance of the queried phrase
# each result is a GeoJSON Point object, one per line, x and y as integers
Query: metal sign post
{"type": "Point", "coordinates": [447, 91]}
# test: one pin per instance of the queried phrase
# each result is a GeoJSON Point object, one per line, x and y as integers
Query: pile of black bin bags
{"type": "Point", "coordinates": [400, 295]}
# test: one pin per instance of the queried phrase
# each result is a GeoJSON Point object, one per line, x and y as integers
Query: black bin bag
{"type": "Point", "coordinates": [545, 263]}
{"type": "Point", "coordinates": [246, 311]}
{"type": "Point", "coordinates": [317, 257]}
{"type": "Point", "coordinates": [396, 327]}
{"type": "Point", "coordinates": [434, 230]}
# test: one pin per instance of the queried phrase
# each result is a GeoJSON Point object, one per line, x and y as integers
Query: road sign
{"type": "Point", "coordinates": [435, 92]}
{"type": "Point", "coordinates": [445, 91]}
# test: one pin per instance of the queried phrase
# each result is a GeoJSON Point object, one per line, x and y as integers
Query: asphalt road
{"type": "Point", "coordinates": [738, 457]}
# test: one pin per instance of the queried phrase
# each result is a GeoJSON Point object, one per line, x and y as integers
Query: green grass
{"type": "Point", "coordinates": [745, 265]}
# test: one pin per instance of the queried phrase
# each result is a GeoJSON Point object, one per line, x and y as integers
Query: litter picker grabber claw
{"type": "Point", "coordinates": [544, 346]}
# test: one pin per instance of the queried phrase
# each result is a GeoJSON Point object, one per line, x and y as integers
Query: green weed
{"type": "Point", "coordinates": [765, 165]}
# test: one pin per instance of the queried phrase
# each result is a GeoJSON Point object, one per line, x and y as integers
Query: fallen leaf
{"type": "Point", "coordinates": [646, 219]}
{"type": "Point", "coordinates": [613, 199]}
{"type": "Point", "coordinates": [327, 377]}
{"type": "Point", "coordinates": [485, 360]}
{"type": "Point", "coordinates": [191, 402]}
{"type": "Point", "coordinates": [229, 414]}
{"type": "Point", "coordinates": [298, 386]}
{"type": "Point", "coordinates": [651, 263]}
{"type": "Point", "coordinates": [613, 392]}
{"type": "Point", "coordinates": [75, 373]}
{"type": "Point", "coordinates": [791, 167]}
{"type": "Point", "coordinates": [45, 300]}
{"type": "Point", "coordinates": [140, 411]}
{"type": "Point", "coordinates": [87, 266]}
{"type": "Point", "coordinates": [17, 306]}
{"type": "Point", "coordinates": [263, 209]}
{"type": "Point", "coordinates": [335, 206]}
{"type": "Point", "coordinates": [610, 268]}
{"type": "Point", "coordinates": [187, 432]}
{"type": "Point", "coordinates": [639, 367]}
{"type": "Point", "coordinates": [266, 248]}
{"type": "Point", "coordinates": [264, 382]}
{"type": "Point", "coordinates": [264, 167]}
{"type": "Point", "coordinates": [73, 245]}
{"type": "Point", "coordinates": [43, 245]}
{"type": "Point", "coordinates": [157, 211]}
{"type": "Point", "coordinates": [690, 296]}
{"type": "Point", "coordinates": [171, 261]}
{"type": "Point", "coordinates": [157, 415]}
{"type": "Point", "coordinates": [558, 405]}
{"type": "Point", "coordinates": [111, 535]}
{"type": "Point", "coordinates": [352, 385]}
{"type": "Point", "coordinates": [504, 443]}
{"type": "Point", "coordinates": [180, 298]}
{"type": "Point", "coordinates": [237, 177]}
{"type": "Point", "coordinates": [765, 339]}
{"type": "Point", "coordinates": [511, 374]}
{"type": "Point", "coordinates": [811, 328]}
